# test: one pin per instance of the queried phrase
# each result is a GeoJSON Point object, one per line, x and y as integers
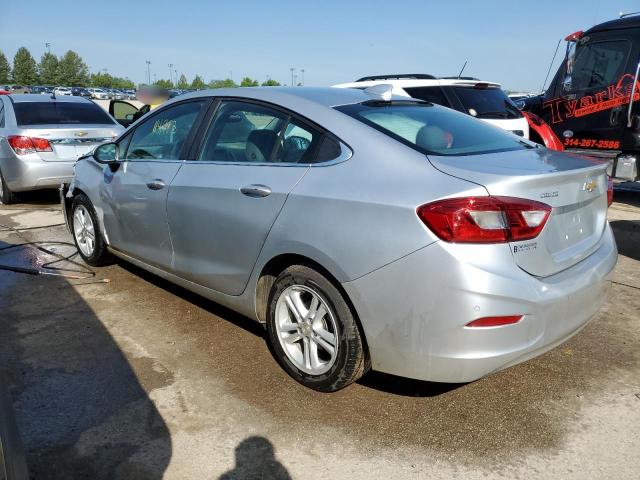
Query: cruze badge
{"type": "Point", "coordinates": [589, 186]}
{"type": "Point", "coordinates": [80, 134]}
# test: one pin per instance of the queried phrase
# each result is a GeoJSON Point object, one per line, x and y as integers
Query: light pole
{"type": "Point", "coordinates": [47, 45]}
{"type": "Point", "coordinates": [292, 76]}
{"type": "Point", "coordinates": [302, 70]}
{"type": "Point", "coordinates": [148, 71]}
{"type": "Point", "coordinates": [170, 73]}
{"type": "Point", "coordinates": [175, 70]}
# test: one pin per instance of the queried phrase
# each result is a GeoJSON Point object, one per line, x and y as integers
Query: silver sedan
{"type": "Point", "coordinates": [365, 230]}
{"type": "Point", "coordinates": [41, 137]}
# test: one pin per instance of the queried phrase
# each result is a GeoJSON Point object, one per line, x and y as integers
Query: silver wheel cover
{"type": "Point", "coordinates": [306, 329]}
{"type": "Point", "coordinates": [84, 230]}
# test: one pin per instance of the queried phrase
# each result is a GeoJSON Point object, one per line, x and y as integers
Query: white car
{"type": "Point", "coordinates": [98, 93]}
{"type": "Point", "coordinates": [480, 99]}
{"type": "Point", "coordinates": [62, 91]}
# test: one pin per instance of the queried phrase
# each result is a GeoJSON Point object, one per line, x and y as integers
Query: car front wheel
{"type": "Point", "coordinates": [86, 233]}
{"type": "Point", "coordinates": [313, 332]}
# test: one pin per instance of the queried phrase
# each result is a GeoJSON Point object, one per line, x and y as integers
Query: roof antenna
{"type": "Point", "coordinates": [463, 67]}
{"type": "Point", "coordinates": [550, 65]}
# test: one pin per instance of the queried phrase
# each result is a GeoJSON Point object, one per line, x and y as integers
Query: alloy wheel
{"type": "Point", "coordinates": [84, 230]}
{"type": "Point", "coordinates": [306, 329]}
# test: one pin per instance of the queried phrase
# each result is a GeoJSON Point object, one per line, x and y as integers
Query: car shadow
{"type": "Point", "coordinates": [81, 406]}
{"type": "Point", "coordinates": [405, 387]}
{"type": "Point", "coordinates": [38, 199]}
{"type": "Point", "coordinates": [627, 234]}
{"type": "Point", "coordinates": [628, 195]}
{"type": "Point", "coordinates": [255, 458]}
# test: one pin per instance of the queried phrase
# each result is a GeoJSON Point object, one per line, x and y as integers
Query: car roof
{"type": "Point", "coordinates": [631, 21]}
{"type": "Point", "coordinates": [325, 96]}
{"type": "Point", "coordinates": [26, 98]}
{"type": "Point", "coordinates": [414, 82]}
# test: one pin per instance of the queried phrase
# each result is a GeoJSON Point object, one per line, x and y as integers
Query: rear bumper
{"type": "Point", "coordinates": [414, 311]}
{"type": "Point", "coordinates": [34, 173]}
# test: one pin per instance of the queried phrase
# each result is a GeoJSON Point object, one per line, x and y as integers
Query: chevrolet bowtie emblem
{"type": "Point", "coordinates": [80, 134]}
{"type": "Point", "coordinates": [589, 186]}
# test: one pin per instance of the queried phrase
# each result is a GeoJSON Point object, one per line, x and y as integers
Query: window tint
{"type": "Point", "coordinates": [43, 113]}
{"type": "Point", "coordinates": [432, 129]}
{"type": "Point", "coordinates": [163, 135]}
{"type": "Point", "coordinates": [597, 65]}
{"type": "Point", "coordinates": [488, 102]}
{"type": "Point", "coordinates": [245, 132]}
{"type": "Point", "coordinates": [428, 94]}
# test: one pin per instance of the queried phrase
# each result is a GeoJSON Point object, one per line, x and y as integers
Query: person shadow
{"type": "Point", "coordinates": [255, 459]}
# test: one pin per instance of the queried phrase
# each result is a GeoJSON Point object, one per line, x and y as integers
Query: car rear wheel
{"type": "Point", "coordinates": [86, 233]}
{"type": "Point", "coordinates": [313, 332]}
{"type": "Point", "coordinates": [7, 197]}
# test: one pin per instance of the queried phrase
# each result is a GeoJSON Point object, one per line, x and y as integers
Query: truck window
{"type": "Point", "coordinates": [596, 65]}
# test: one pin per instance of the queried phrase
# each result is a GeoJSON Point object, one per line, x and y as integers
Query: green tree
{"type": "Point", "coordinates": [72, 71]}
{"type": "Point", "coordinates": [248, 82]}
{"type": "Point", "coordinates": [101, 80]}
{"type": "Point", "coordinates": [226, 83]}
{"type": "Point", "coordinates": [5, 69]}
{"type": "Point", "coordinates": [183, 82]}
{"type": "Point", "coordinates": [198, 83]}
{"type": "Point", "coordinates": [24, 68]}
{"type": "Point", "coordinates": [162, 83]}
{"type": "Point", "coordinates": [271, 83]}
{"type": "Point", "coordinates": [48, 69]}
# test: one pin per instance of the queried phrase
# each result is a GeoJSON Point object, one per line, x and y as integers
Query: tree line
{"type": "Point", "coordinates": [71, 71]}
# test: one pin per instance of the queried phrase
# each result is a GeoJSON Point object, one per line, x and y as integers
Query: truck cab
{"type": "Point", "coordinates": [593, 101]}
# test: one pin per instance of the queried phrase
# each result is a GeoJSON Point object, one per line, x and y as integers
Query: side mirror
{"type": "Point", "coordinates": [107, 153]}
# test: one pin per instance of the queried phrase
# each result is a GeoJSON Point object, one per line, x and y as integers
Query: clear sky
{"type": "Point", "coordinates": [509, 42]}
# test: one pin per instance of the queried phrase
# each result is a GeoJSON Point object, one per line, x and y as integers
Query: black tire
{"type": "Point", "coordinates": [351, 359]}
{"type": "Point", "coordinates": [7, 197]}
{"type": "Point", "coordinates": [100, 255]}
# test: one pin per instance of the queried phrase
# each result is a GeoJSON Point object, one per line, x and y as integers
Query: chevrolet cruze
{"type": "Point", "coordinates": [365, 230]}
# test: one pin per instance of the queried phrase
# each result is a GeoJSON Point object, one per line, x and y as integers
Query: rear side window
{"type": "Point", "coordinates": [489, 102]}
{"type": "Point", "coordinates": [434, 130]}
{"type": "Point", "coordinates": [428, 94]}
{"type": "Point", "coordinates": [250, 133]}
{"type": "Point", "coordinates": [45, 113]}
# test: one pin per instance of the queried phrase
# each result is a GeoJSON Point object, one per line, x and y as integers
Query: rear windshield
{"type": "Point", "coordinates": [487, 102]}
{"type": "Point", "coordinates": [432, 129]}
{"type": "Point", "coordinates": [44, 113]}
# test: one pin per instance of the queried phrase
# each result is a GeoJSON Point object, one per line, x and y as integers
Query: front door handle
{"type": "Point", "coordinates": [156, 184]}
{"type": "Point", "coordinates": [256, 191]}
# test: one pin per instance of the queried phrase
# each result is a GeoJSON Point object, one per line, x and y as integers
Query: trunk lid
{"type": "Point", "coordinates": [575, 187]}
{"type": "Point", "coordinates": [69, 142]}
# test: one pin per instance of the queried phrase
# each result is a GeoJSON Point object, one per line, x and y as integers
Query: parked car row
{"type": "Point", "coordinates": [483, 249]}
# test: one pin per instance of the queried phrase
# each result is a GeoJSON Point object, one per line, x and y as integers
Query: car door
{"type": "Point", "coordinates": [223, 203]}
{"type": "Point", "coordinates": [135, 193]}
{"type": "Point", "coordinates": [588, 108]}
{"type": "Point", "coordinates": [123, 112]}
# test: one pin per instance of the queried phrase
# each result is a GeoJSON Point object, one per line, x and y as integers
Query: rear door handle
{"type": "Point", "coordinates": [156, 184]}
{"type": "Point", "coordinates": [256, 191]}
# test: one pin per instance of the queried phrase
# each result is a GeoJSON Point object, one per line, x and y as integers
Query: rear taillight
{"type": "Point", "coordinates": [485, 219]}
{"type": "Point", "coordinates": [23, 145]}
{"type": "Point", "coordinates": [609, 191]}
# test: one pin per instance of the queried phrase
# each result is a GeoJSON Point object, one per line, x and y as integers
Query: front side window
{"type": "Point", "coordinates": [596, 65]}
{"type": "Point", "coordinates": [162, 136]}
{"type": "Point", "coordinates": [250, 133]}
{"type": "Point", "coordinates": [432, 129]}
{"type": "Point", "coordinates": [53, 113]}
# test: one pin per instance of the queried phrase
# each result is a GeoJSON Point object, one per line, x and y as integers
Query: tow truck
{"type": "Point", "coordinates": [593, 102]}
